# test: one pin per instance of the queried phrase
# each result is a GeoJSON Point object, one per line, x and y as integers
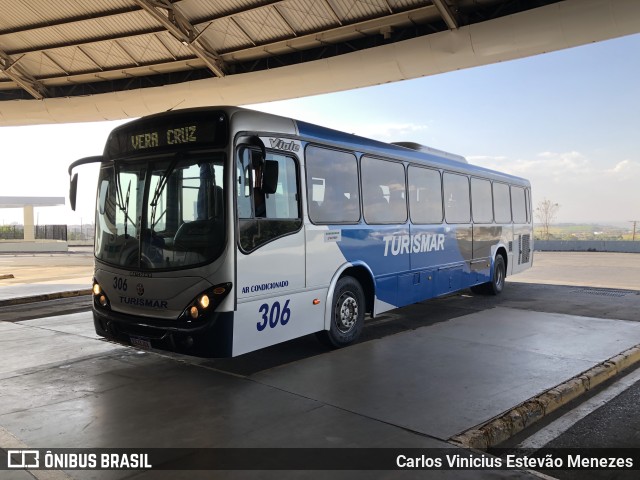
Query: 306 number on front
{"type": "Point", "coordinates": [273, 315]}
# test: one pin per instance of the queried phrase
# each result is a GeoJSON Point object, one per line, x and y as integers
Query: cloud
{"type": "Point", "coordinates": [551, 166]}
{"type": "Point", "coordinates": [625, 170]}
{"type": "Point", "coordinates": [586, 188]}
{"type": "Point", "coordinates": [391, 132]}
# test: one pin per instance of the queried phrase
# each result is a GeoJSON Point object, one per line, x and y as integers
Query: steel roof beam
{"type": "Point", "coordinates": [182, 29]}
{"type": "Point", "coordinates": [116, 72]}
{"type": "Point", "coordinates": [69, 20]}
{"type": "Point", "coordinates": [12, 70]}
{"type": "Point", "coordinates": [286, 22]}
{"type": "Point", "coordinates": [328, 36]}
{"type": "Point", "coordinates": [208, 20]}
{"type": "Point", "coordinates": [333, 12]}
{"type": "Point", "coordinates": [292, 43]}
{"type": "Point", "coordinates": [147, 31]}
{"type": "Point", "coordinates": [86, 41]}
{"type": "Point", "coordinates": [243, 30]}
{"type": "Point", "coordinates": [446, 13]}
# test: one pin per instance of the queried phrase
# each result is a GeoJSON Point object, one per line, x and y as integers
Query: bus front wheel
{"type": "Point", "coordinates": [347, 314]}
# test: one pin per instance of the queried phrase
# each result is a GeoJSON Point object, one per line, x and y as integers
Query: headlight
{"type": "Point", "coordinates": [206, 302]}
{"type": "Point", "coordinates": [100, 298]}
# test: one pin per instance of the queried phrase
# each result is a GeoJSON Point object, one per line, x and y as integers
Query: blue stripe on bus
{"type": "Point", "coordinates": [407, 260]}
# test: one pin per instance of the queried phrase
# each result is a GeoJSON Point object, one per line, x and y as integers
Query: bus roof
{"type": "Point", "coordinates": [428, 156]}
{"type": "Point", "coordinates": [327, 136]}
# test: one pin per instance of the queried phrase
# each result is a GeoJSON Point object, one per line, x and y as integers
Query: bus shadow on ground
{"type": "Point", "coordinates": [564, 299]}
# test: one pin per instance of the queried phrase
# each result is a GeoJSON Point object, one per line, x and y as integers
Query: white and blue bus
{"type": "Point", "coordinates": [223, 230]}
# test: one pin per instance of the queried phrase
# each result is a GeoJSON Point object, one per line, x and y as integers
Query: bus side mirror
{"type": "Point", "coordinates": [270, 177]}
{"type": "Point", "coordinates": [73, 191]}
{"type": "Point", "coordinates": [73, 183]}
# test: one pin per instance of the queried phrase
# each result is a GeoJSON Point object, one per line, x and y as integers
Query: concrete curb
{"type": "Point", "coordinates": [44, 297]}
{"type": "Point", "coordinates": [505, 426]}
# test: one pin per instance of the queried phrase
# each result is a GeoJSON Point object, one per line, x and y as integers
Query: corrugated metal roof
{"type": "Point", "coordinates": [262, 27]}
{"type": "Point", "coordinates": [311, 15]}
{"type": "Point", "coordinates": [349, 10]}
{"type": "Point", "coordinates": [46, 44]}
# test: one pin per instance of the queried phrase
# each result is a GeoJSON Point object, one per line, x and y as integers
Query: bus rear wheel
{"type": "Point", "coordinates": [347, 314]}
{"type": "Point", "coordinates": [496, 285]}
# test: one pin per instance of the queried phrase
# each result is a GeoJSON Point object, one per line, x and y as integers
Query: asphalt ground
{"type": "Point", "coordinates": [606, 288]}
{"type": "Point", "coordinates": [590, 284]}
{"type": "Point", "coordinates": [73, 267]}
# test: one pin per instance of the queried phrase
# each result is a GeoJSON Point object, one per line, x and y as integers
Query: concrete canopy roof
{"type": "Point", "coordinates": [69, 61]}
{"type": "Point", "coordinates": [67, 48]}
{"type": "Point", "coordinates": [21, 202]}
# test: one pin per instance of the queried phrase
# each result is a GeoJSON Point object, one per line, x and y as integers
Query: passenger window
{"type": "Point", "coordinates": [456, 198]}
{"type": "Point", "coordinates": [518, 205]}
{"type": "Point", "coordinates": [332, 186]}
{"type": "Point", "coordinates": [501, 202]}
{"type": "Point", "coordinates": [425, 195]}
{"type": "Point", "coordinates": [383, 191]}
{"type": "Point", "coordinates": [267, 198]}
{"type": "Point", "coordinates": [481, 201]}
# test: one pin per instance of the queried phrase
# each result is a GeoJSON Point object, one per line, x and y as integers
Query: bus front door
{"type": "Point", "coordinates": [272, 302]}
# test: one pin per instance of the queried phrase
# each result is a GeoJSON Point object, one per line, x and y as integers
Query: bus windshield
{"type": "Point", "coordinates": [162, 213]}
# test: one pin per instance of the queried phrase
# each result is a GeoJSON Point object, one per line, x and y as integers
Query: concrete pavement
{"type": "Point", "coordinates": [36, 277]}
{"type": "Point", "coordinates": [61, 386]}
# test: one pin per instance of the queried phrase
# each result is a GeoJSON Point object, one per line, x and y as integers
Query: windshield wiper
{"type": "Point", "coordinates": [123, 204]}
{"type": "Point", "coordinates": [159, 188]}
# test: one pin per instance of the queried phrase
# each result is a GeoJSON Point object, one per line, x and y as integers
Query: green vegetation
{"type": "Point", "coordinates": [11, 232]}
{"type": "Point", "coordinates": [571, 231]}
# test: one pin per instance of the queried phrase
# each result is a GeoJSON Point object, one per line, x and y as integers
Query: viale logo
{"type": "Point", "coordinates": [280, 144]}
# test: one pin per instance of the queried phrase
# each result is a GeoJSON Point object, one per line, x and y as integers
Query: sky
{"type": "Point", "coordinates": [569, 121]}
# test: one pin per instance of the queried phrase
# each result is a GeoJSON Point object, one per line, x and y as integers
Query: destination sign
{"type": "Point", "coordinates": [169, 131]}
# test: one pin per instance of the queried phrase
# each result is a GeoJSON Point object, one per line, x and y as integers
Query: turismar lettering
{"type": "Point", "coordinates": [419, 243]}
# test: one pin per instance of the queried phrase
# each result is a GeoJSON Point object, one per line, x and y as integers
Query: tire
{"type": "Point", "coordinates": [496, 285]}
{"type": "Point", "coordinates": [347, 314]}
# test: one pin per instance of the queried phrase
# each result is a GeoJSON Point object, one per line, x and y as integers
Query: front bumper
{"type": "Point", "coordinates": [211, 336]}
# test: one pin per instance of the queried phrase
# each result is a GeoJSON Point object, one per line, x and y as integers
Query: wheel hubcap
{"type": "Point", "coordinates": [347, 312]}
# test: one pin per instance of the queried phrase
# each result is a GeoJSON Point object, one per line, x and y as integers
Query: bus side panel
{"type": "Point", "coordinates": [273, 268]}
{"type": "Point", "coordinates": [386, 250]}
{"type": "Point", "coordinates": [442, 253]}
{"type": "Point", "coordinates": [417, 286]}
{"type": "Point", "coordinates": [485, 239]}
{"type": "Point", "coordinates": [522, 247]}
{"type": "Point", "coordinates": [265, 321]}
{"type": "Point", "coordinates": [324, 255]}
{"type": "Point", "coordinates": [379, 247]}
{"type": "Point", "coordinates": [507, 241]}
